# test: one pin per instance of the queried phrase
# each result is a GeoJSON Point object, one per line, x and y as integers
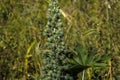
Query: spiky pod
{"type": "Point", "coordinates": [54, 59]}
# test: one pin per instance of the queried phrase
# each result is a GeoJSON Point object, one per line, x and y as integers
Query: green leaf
{"type": "Point", "coordinates": [77, 68]}
{"type": "Point", "coordinates": [81, 53]}
{"type": "Point", "coordinates": [92, 53]}
{"type": "Point", "coordinates": [84, 59]}
{"type": "Point", "coordinates": [100, 65]}
{"type": "Point", "coordinates": [77, 60]}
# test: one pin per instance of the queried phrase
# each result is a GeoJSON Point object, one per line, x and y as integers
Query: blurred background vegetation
{"type": "Point", "coordinates": [93, 23]}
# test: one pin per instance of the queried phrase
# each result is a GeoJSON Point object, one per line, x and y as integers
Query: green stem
{"type": "Point", "coordinates": [83, 75]}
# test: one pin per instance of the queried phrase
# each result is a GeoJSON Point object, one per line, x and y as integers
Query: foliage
{"type": "Point", "coordinates": [93, 23]}
{"type": "Point", "coordinates": [84, 60]}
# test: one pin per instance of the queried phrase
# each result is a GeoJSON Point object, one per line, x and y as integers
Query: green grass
{"type": "Point", "coordinates": [93, 23]}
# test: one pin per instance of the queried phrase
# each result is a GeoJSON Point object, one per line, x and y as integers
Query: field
{"type": "Point", "coordinates": [85, 37]}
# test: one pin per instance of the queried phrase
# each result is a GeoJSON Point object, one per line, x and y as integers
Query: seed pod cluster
{"type": "Point", "coordinates": [54, 59]}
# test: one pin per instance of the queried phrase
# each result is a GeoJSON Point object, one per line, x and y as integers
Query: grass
{"type": "Point", "coordinates": [93, 23]}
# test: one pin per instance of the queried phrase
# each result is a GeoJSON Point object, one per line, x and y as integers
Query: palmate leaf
{"type": "Point", "coordinates": [77, 68]}
{"type": "Point", "coordinates": [100, 65]}
{"type": "Point", "coordinates": [74, 61]}
{"type": "Point", "coordinates": [105, 57]}
{"type": "Point", "coordinates": [92, 53]}
{"type": "Point", "coordinates": [102, 58]}
{"type": "Point", "coordinates": [81, 53]}
{"type": "Point", "coordinates": [77, 60]}
{"type": "Point", "coordinates": [97, 59]}
{"type": "Point", "coordinates": [84, 60]}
